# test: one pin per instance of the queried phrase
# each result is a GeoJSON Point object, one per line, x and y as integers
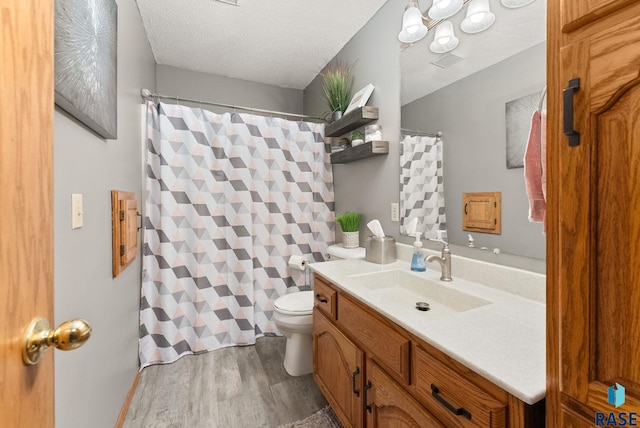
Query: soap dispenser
{"type": "Point", "coordinates": [417, 262]}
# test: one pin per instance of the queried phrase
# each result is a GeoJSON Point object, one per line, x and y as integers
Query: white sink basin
{"type": "Point", "coordinates": [401, 288]}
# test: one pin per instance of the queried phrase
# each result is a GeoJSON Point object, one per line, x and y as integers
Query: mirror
{"type": "Point", "coordinates": [464, 97]}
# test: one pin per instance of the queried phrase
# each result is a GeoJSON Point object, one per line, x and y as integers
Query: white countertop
{"type": "Point", "coordinates": [503, 341]}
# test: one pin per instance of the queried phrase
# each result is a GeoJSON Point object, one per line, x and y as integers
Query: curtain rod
{"type": "Point", "coordinates": [437, 134]}
{"type": "Point", "coordinates": [147, 94]}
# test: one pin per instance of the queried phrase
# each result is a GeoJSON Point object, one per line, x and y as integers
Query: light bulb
{"type": "Point", "coordinates": [445, 40]}
{"type": "Point", "coordinates": [477, 17]}
{"type": "Point", "coordinates": [412, 20]}
{"type": "Point", "coordinates": [443, 9]}
{"type": "Point", "coordinates": [413, 29]}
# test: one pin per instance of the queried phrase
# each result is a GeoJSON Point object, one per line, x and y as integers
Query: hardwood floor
{"type": "Point", "coordinates": [233, 387]}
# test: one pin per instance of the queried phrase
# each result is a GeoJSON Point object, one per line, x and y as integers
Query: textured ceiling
{"type": "Point", "coordinates": [287, 42]}
{"type": "Point", "coordinates": [278, 42]}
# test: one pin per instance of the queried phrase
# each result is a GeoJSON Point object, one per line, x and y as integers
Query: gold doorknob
{"type": "Point", "coordinates": [39, 336]}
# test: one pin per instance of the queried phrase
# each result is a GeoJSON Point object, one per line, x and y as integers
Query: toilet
{"type": "Point", "coordinates": [293, 317]}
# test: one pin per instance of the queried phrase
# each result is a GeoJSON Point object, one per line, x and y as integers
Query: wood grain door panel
{"type": "Point", "coordinates": [598, 272]}
{"type": "Point", "coordinates": [391, 406]}
{"type": "Point", "coordinates": [577, 13]}
{"type": "Point", "coordinates": [338, 370]}
{"type": "Point", "coordinates": [26, 227]}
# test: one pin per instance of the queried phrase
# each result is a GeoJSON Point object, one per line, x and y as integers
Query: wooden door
{"type": "Point", "coordinates": [576, 13]}
{"type": "Point", "coordinates": [390, 406]}
{"type": "Point", "coordinates": [26, 221]}
{"type": "Point", "coordinates": [594, 222]}
{"type": "Point", "coordinates": [338, 370]}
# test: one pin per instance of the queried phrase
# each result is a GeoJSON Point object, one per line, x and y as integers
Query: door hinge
{"type": "Point", "coordinates": [122, 215]}
{"type": "Point", "coordinates": [122, 250]}
{"type": "Point", "coordinates": [495, 221]}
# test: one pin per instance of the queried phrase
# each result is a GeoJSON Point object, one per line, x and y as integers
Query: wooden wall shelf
{"type": "Point", "coordinates": [353, 120]}
{"type": "Point", "coordinates": [366, 150]}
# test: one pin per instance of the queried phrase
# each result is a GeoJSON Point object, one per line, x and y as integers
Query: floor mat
{"type": "Point", "coordinates": [323, 418]}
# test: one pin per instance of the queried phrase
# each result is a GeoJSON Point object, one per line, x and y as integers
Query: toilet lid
{"type": "Point", "coordinates": [300, 303]}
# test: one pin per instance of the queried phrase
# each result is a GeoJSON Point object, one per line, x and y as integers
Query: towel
{"type": "Point", "coordinates": [535, 168]}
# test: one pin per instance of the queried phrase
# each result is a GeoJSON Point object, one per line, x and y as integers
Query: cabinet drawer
{"type": "Point", "coordinates": [445, 392]}
{"type": "Point", "coordinates": [391, 349]}
{"type": "Point", "coordinates": [324, 297]}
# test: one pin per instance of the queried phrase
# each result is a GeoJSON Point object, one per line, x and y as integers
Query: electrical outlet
{"type": "Point", "coordinates": [395, 211]}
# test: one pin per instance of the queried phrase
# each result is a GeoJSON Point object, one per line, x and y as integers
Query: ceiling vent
{"type": "Point", "coordinates": [447, 60]}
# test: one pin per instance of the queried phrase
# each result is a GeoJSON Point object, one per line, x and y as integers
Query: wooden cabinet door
{"type": "Point", "coordinates": [576, 13]}
{"type": "Point", "coordinates": [594, 242]}
{"type": "Point", "coordinates": [338, 370]}
{"type": "Point", "coordinates": [482, 212]}
{"type": "Point", "coordinates": [390, 406]}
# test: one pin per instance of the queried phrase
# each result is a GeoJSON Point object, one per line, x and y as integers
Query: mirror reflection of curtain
{"type": "Point", "coordinates": [230, 198]}
{"type": "Point", "coordinates": [422, 186]}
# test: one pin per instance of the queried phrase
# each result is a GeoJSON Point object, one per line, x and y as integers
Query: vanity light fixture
{"type": "Point", "coordinates": [443, 9]}
{"type": "Point", "coordinates": [479, 17]}
{"type": "Point", "coordinates": [413, 29]}
{"type": "Point", "coordinates": [444, 40]}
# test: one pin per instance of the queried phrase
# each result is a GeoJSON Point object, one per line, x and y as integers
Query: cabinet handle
{"type": "Point", "coordinates": [458, 411]}
{"type": "Point", "coordinates": [321, 299]}
{"type": "Point", "coordinates": [567, 95]}
{"type": "Point", "coordinates": [366, 402]}
{"type": "Point", "coordinates": [353, 381]}
{"type": "Point", "coordinates": [465, 211]}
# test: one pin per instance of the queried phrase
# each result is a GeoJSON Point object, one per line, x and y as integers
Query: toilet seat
{"type": "Point", "coordinates": [300, 303]}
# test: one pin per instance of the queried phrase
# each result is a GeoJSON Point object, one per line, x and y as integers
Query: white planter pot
{"type": "Point", "coordinates": [351, 239]}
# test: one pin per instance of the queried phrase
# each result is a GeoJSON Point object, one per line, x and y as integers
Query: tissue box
{"type": "Point", "coordinates": [380, 250]}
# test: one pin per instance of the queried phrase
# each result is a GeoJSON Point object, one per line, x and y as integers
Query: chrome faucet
{"type": "Point", "coordinates": [445, 260]}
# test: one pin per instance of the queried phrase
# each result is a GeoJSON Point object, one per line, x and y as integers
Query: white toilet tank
{"type": "Point", "coordinates": [338, 252]}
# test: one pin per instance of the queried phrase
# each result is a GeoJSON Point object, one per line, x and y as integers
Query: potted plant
{"type": "Point", "coordinates": [356, 138]}
{"type": "Point", "coordinates": [350, 225]}
{"type": "Point", "coordinates": [336, 87]}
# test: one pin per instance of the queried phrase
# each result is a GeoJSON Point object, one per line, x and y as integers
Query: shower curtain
{"type": "Point", "coordinates": [230, 197]}
{"type": "Point", "coordinates": [422, 185]}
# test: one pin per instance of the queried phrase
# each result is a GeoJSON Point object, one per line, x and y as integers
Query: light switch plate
{"type": "Point", "coordinates": [395, 211]}
{"type": "Point", "coordinates": [77, 213]}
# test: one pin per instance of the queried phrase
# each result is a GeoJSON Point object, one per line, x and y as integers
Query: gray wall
{"type": "Point", "coordinates": [92, 382]}
{"type": "Point", "coordinates": [471, 115]}
{"type": "Point", "coordinates": [208, 87]}
{"type": "Point", "coordinates": [369, 186]}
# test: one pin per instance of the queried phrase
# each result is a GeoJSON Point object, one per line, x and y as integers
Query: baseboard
{"type": "Point", "coordinates": [127, 401]}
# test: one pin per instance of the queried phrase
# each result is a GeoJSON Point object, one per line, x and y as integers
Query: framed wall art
{"type": "Point", "coordinates": [86, 36]}
{"type": "Point", "coordinates": [518, 120]}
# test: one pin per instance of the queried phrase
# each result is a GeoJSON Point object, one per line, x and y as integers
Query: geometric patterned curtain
{"type": "Point", "coordinates": [422, 186]}
{"type": "Point", "coordinates": [230, 197]}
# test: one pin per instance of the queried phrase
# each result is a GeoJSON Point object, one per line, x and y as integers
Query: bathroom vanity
{"type": "Point", "coordinates": [475, 359]}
